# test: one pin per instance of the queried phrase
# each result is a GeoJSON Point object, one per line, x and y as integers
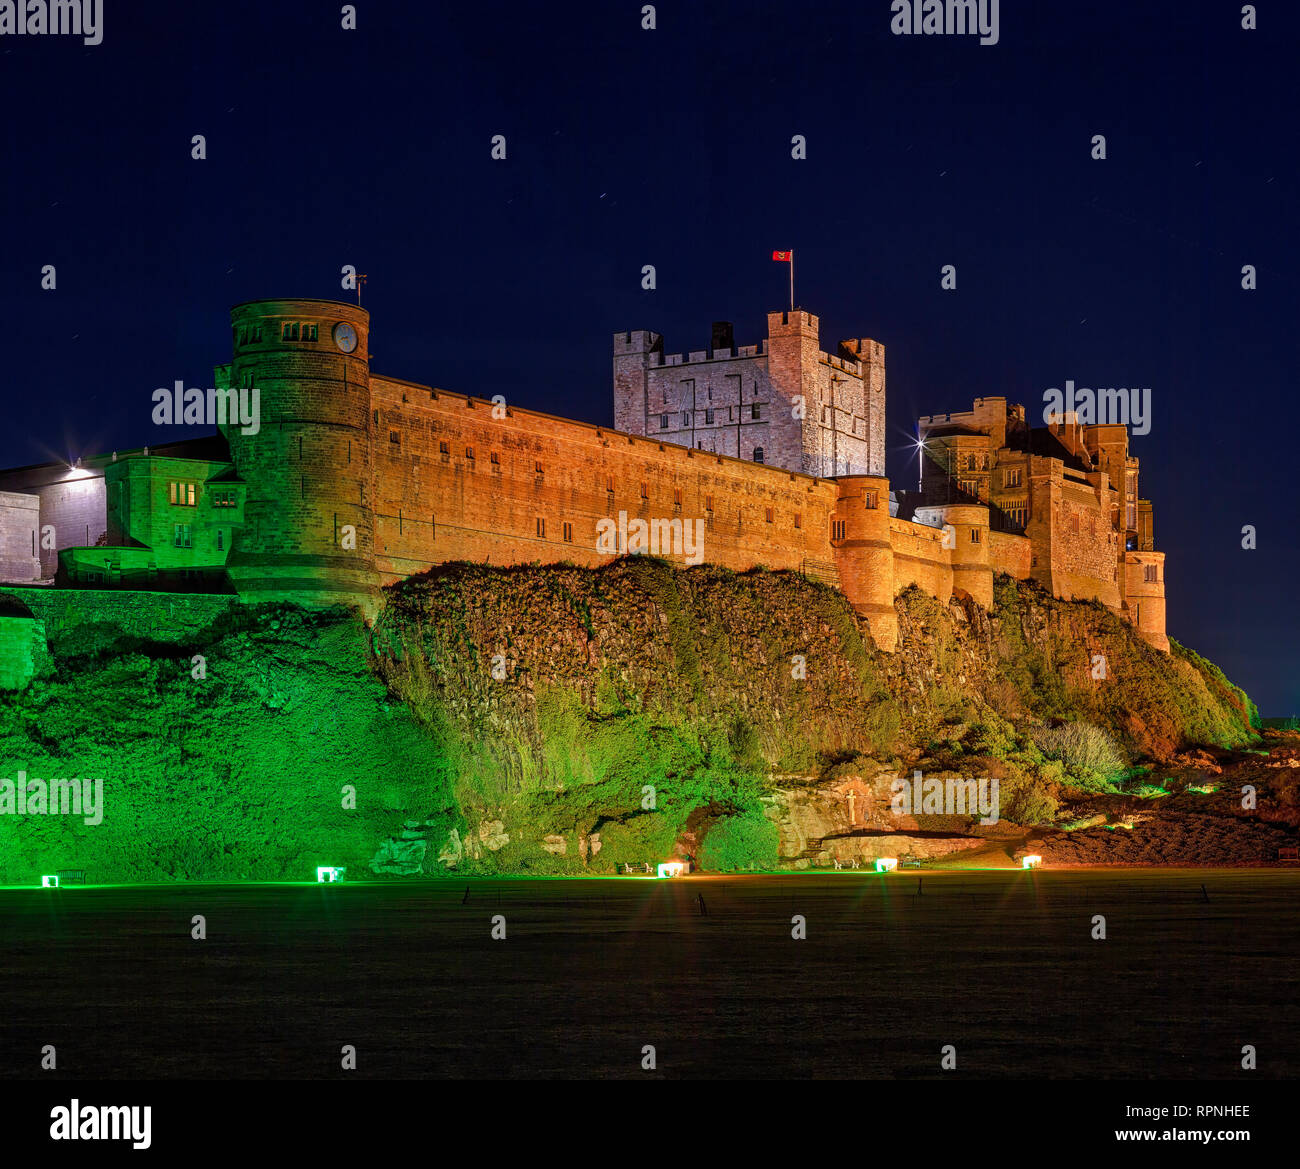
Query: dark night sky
{"type": "Point", "coordinates": [672, 148]}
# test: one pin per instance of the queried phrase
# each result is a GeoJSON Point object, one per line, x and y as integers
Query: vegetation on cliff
{"type": "Point", "coordinates": [563, 719]}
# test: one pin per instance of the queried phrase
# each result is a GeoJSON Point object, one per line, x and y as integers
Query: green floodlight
{"type": "Point", "coordinates": [671, 869]}
{"type": "Point", "coordinates": [50, 882]}
{"type": "Point", "coordinates": [886, 864]}
{"type": "Point", "coordinates": [328, 875]}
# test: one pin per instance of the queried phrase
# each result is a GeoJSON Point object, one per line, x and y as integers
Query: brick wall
{"type": "Point", "coordinates": [19, 536]}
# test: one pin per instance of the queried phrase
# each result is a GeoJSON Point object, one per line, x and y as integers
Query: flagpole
{"type": "Point", "coordinates": [792, 279]}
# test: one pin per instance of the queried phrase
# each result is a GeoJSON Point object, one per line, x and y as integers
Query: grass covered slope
{"type": "Point", "coordinates": [239, 773]}
{"type": "Point", "coordinates": [564, 720]}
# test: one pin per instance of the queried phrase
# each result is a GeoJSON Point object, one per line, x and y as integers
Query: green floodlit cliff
{"type": "Point", "coordinates": [571, 720]}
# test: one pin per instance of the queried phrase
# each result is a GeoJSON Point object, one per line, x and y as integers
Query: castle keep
{"type": "Point", "coordinates": [354, 480]}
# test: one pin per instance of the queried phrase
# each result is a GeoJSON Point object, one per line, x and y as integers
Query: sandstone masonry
{"type": "Point", "coordinates": [768, 455]}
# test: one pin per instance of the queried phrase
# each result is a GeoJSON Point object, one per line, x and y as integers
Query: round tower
{"type": "Point", "coordinates": [1144, 580]}
{"type": "Point", "coordinates": [308, 531]}
{"type": "Point", "coordinates": [971, 572]}
{"type": "Point", "coordinates": [863, 554]}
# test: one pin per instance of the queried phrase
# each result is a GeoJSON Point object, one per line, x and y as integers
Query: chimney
{"type": "Point", "coordinates": [724, 336]}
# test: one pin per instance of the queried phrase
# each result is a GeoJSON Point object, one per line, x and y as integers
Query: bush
{"type": "Point", "coordinates": [1091, 756]}
{"type": "Point", "coordinates": [745, 841]}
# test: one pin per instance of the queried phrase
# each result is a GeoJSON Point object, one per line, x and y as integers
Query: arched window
{"type": "Point", "coordinates": [758, 454]}
{"type": "Point", "coordinates": [970, 462]}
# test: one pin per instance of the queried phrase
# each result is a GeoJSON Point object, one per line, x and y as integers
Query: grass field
{"type": "Point", "coordinates": [1001, 965]}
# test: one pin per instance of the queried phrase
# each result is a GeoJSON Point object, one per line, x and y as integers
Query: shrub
{"type": "Point", "coordinates": [1091, 756]}
{"type": "Point", "coordinates": [745, 841]}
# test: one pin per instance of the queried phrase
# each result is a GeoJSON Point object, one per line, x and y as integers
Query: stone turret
{"type": "Point", "coordinates": [308, 534]}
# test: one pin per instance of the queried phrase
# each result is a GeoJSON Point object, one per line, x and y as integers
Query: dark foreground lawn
{"type": "Point", "coordinates": [1001, 965]}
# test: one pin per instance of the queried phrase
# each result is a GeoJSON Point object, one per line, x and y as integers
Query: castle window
{"type": "Point", "coordinates": [537, 470]}
{"type": "Point", "coordinates": [1074, 524]}
{"type": "Point", "coordinates": [837, 529]}
{"type": "Point", "coordinates": [708, 417]}
{"type": "Point", "coordinates": [495, 460]}
{"type": "Point", "coordinates": [798, 520]}
{"type": "Point", "coordinates": [686, 418]}
{"type": "Point", "coordinates": [181, 535]}
{"type": "Point", "coordinates": [221, 541]}
{"type": "Point", "coordinates": [758, 454]}
{"type": "Point", "coordinates": [663, 421]}
{"type": "Point", "coordinates": [171, 492]}
{"type": "Point", "coordinates": [974, 535]}
{"type": "Point", "coordinates": [970, 462]}
{"type": "Point", "coordinates": [568, 532]}
{"type": "Point", "coordinates": [677, 497]}
{"type": "Point", "coordinates": [609, 484]}
{"type": "Point", "coordinates": [754, 410]}
{"type": "Point", "coordinates": [313, 329]}
{"type": "Point", "coordinates": [1151, 572]}
{"type": "Point", "coordinates": [1011, 478]}
{"type": "Point", "coordinates": [444, 451]}
{"type": "Point", "coordinates": [645, 490]}
{"type": "Point", "coordinates": [771, 515]}
{"type": "Point", "coordinates": [869, 499]}
{"type": "Point", "coordinates": [541, 527]}
{"type": "Point", "coordinates": [708, 503]}
{"type": "Point", "coordinates": [243, 335]}
{"type": "Point", "coordinates": [256, 334]}
{"type": "Point", "coordinates": [469, 453]}
{"type": "Point", "coordinates": [986, 463]}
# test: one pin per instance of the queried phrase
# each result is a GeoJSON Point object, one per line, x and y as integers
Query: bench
{"type": "Point", "coordinates": [910, 862]}
{"type": "Point", "coordinates": [72, 876]}
{"type": "Point", "coordinates": [1289, 852]}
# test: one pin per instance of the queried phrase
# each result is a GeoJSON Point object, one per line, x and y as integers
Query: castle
{"type": "Point", "coordinates": [772, 453]}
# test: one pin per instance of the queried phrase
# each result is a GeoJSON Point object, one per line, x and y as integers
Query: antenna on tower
{"type": "Point", "coordinates": [361, 279]}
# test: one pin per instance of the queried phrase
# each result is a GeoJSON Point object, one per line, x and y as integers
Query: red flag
{"type": "Point", "coordinates": [787, 256]}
